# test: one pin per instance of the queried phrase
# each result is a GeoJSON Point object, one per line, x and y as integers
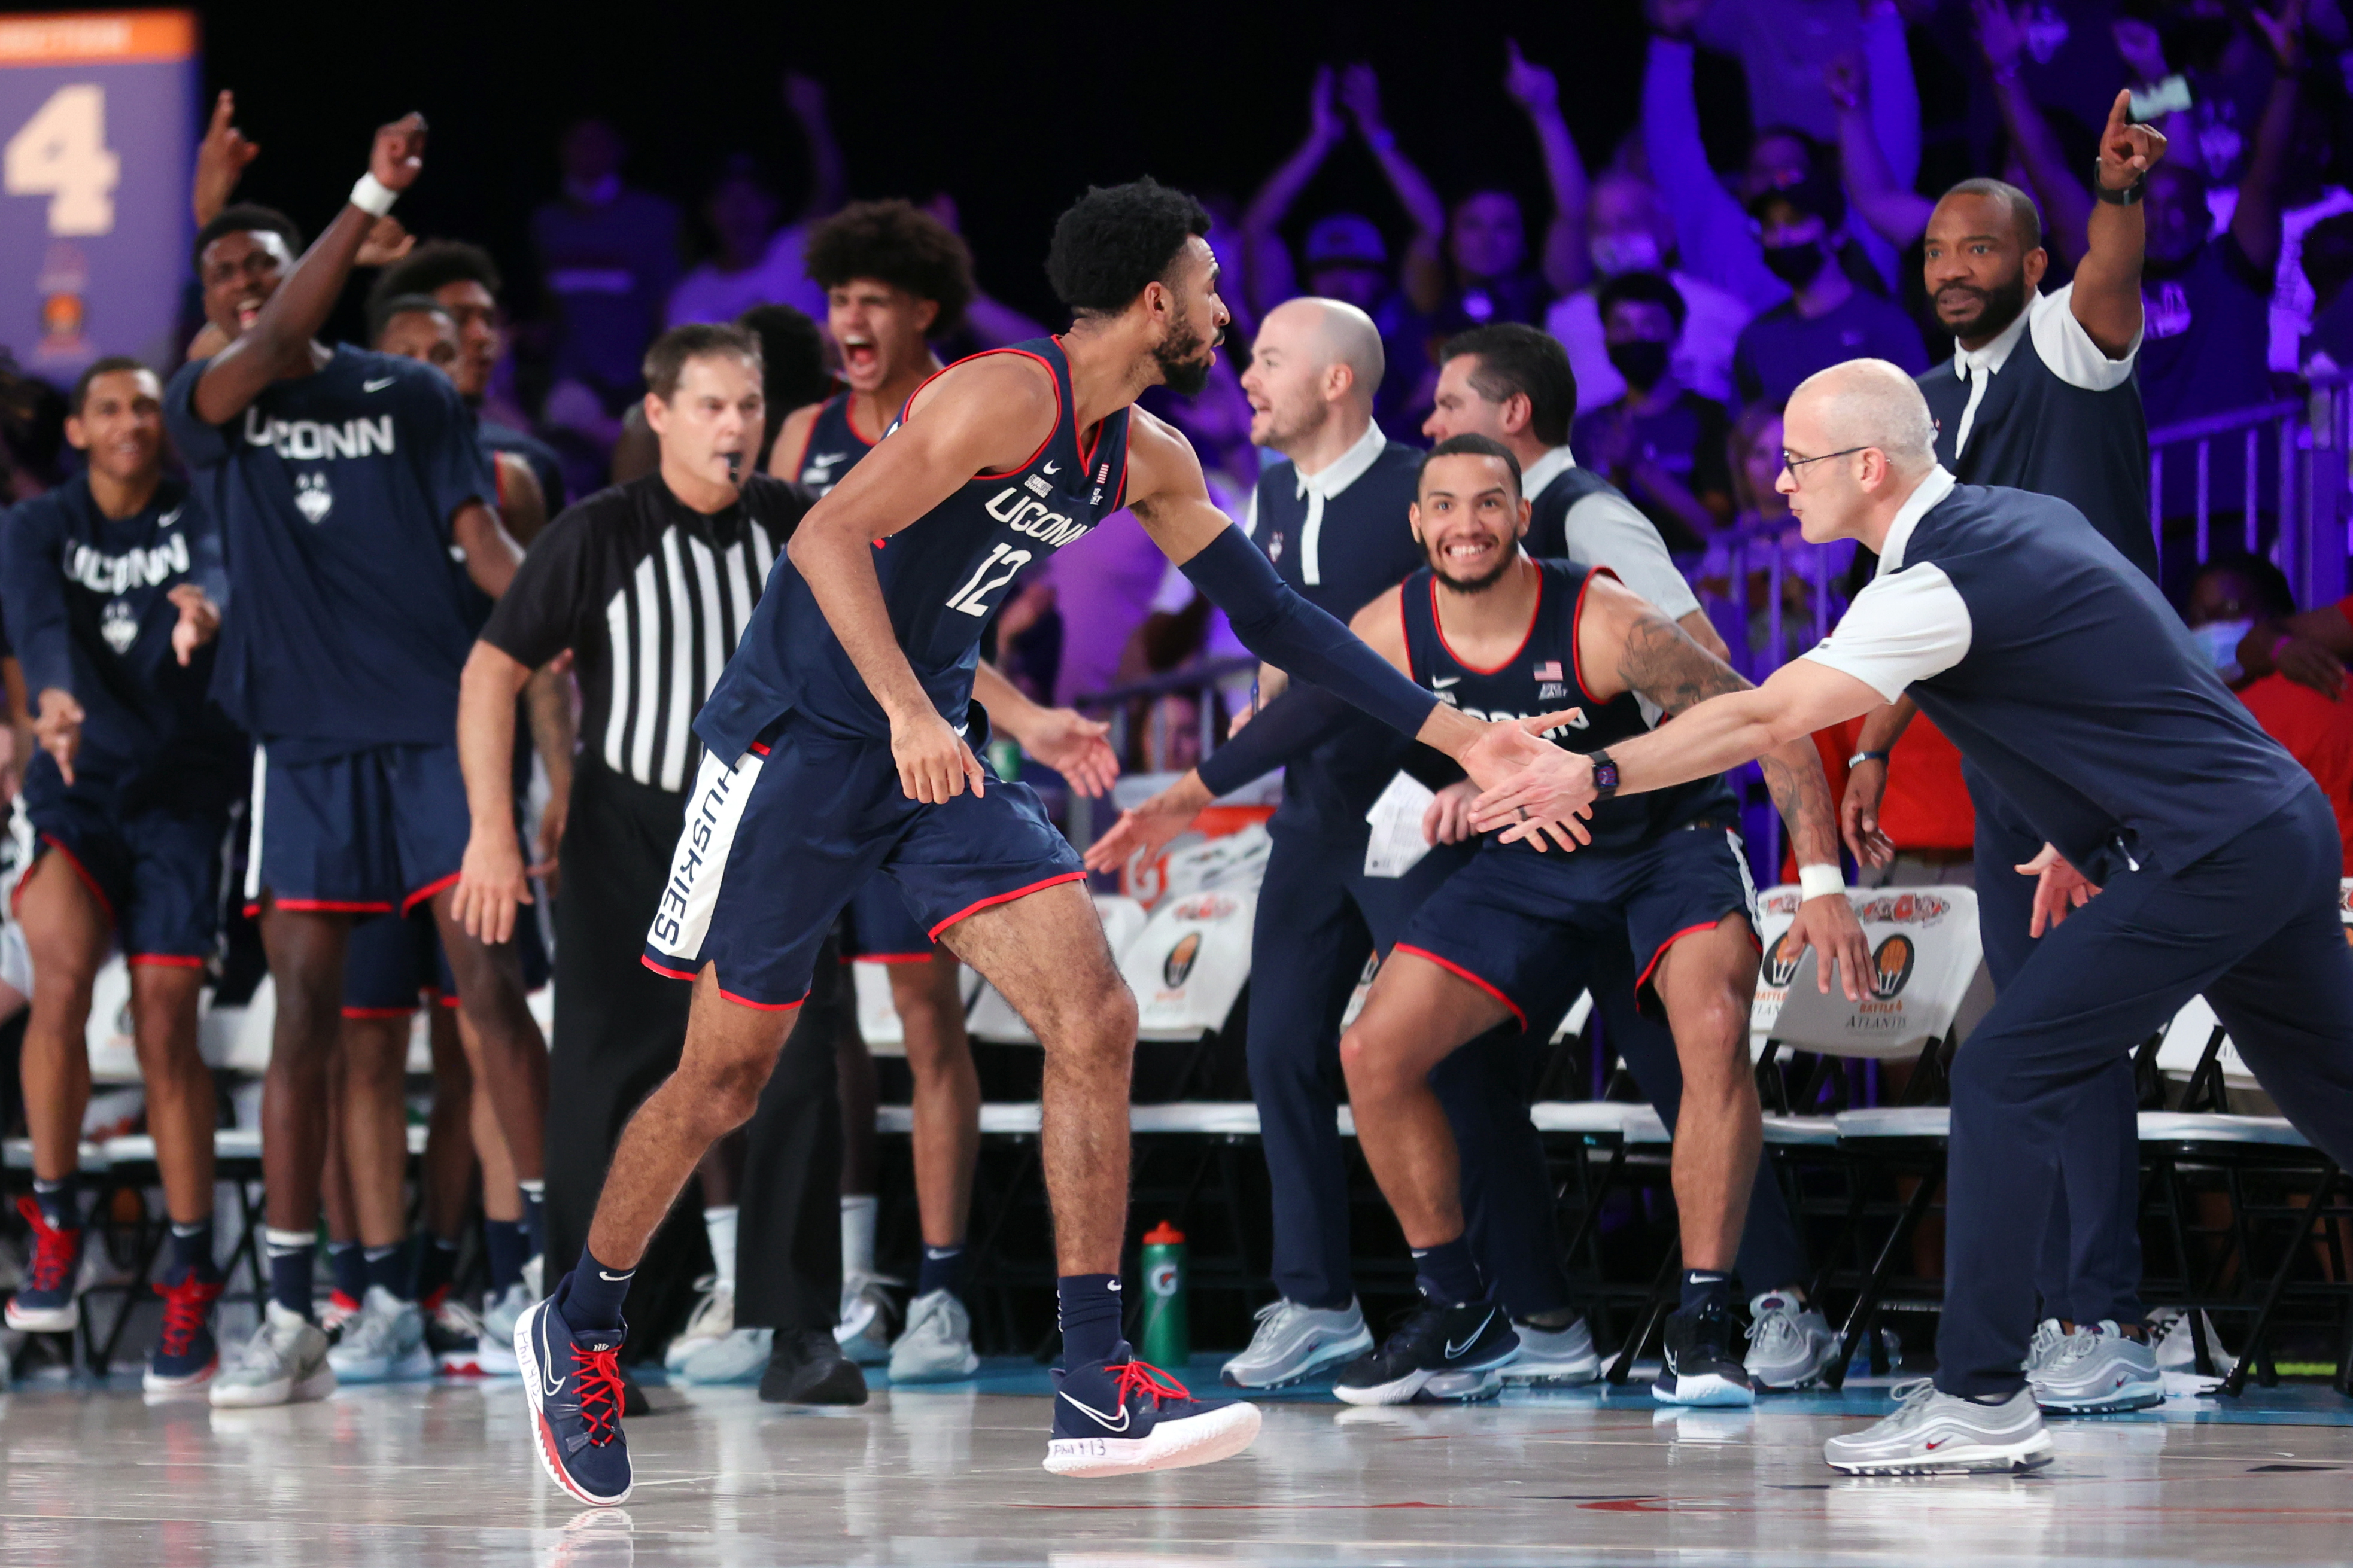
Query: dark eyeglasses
{"type": "Point", "coordinates": [1793, 463]}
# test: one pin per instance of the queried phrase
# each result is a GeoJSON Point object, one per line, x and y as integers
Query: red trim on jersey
{"type": "Point", "coordinates": [377, 1012]}
{"type": "Point", "coordinates": [761, 1006]}
{"type": "Point", "coordinates": [1025, 353]}
{"type": "Point", "coordinates": [1577, 658]}
{"type": "Point", "coordinates": [1524, 636]}
{"type": "Point", "coordinates": [327, 906]}
{"type": "Point", "coordinates": [1405, 628]}
{"type": "Point", "coordinates": [166, 960]}
{"type": "Point", "coordinates": [441, 1001]}
{"type": "Point", "coordinates": [761, 747]}
{"type": "Point", "coordinates": [427, 891]}
{"type": "Point", "coordinates": [891, 958]}
{"type": "Point", "coordinates": [850, 420]}
{"type": "Point", "coordinates": [658, 969]}
{"type": "Point", "coordinates": [1119, 495]}
{"type": "Point", "coordinates": [1461, 974]}
{"type": "Point", "coordinates": [1005, 898]}
{"type": "Point", "coordinates": [809, 439]}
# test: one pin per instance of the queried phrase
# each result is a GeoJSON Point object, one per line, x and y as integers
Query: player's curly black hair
{"type": "Point", "coordinates": [247, 217]}
{"type": "Point", "coordinates": [902, 245]}
{"type": "Point", "coordinates": [429, 267]}
{"type": "Point", "coordinates": [1116, 239]}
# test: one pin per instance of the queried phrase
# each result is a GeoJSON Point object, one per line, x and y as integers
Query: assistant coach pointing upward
{"type": "Point", "coordinates": [2063, 674]}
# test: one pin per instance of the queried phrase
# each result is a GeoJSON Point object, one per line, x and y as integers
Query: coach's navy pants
{"type": "Point", "coordinates": [2088, 1266]}
{"type": "Point", "coordinates": [2254, 927]}
{"type": "Point", "coordinates": [1319, 917]}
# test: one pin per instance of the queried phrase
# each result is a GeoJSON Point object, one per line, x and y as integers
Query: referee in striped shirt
{"type": "Point", "coordinates": [649, 584]}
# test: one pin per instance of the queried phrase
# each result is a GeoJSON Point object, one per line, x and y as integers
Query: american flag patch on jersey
{"type": "Point", "coordinates": [1548, 670]}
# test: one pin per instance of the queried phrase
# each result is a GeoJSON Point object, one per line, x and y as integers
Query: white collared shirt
{"type": "Point", "coordinates": [1908, 623]}
{"type": "Point", "coordinates": [1556, 461]}
{"type": "Point", "coordinates": [1327, 483]}
{"type": "Point", "coordinates": [2060, 341]}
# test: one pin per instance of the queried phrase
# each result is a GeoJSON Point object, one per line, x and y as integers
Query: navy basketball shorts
{"type": "Point", "coordinates": [392, 964]}
{"type": "Point", "coordinates": [379, 829]}
{"type": "Point", "coordinates": [156, 873]}
{"type": "Point", "coordinates": [776, 843]}
{"type": "Point", "coordinates": [1517, 924]}
{"type": "Point", "coordinates": [884, 930]}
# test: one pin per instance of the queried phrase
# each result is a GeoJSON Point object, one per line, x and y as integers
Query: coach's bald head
{"type": "Point", "coordinates": [1314, 362]}
{"type": "Point", "coordinates": [1859, 439]}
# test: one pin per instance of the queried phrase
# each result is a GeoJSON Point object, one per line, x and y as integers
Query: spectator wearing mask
{"type": "Point", "coordinates": [2207, 300]}
{"type": "Point", "coordinates": [1627, 231]}
{"type": "Point", "coordinates": [2305, 711]}
{"type": "Point", "coordinates": [758, 262]}
{"type": "Point", "coordinates": [1826, 319]}
{"type": "Point", "coordinates": [1719, 243]}
{"type": "Point", "coordinates": [608, 258]}
{"type": "Point", "coordinates": [1661, 443]}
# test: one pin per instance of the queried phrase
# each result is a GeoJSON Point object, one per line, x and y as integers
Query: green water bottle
{"type": "Point", "coordinates": [1167, 1331]}
{"type": "Point", "coordinates": [1005, 756]}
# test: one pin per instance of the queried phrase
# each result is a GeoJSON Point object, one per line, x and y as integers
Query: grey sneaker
{"type": "Point", "coordinates": [386, 1344]}
{"type": "Point", "coordinates": [285, 1361]}
{"type": "Point", "coordinates": [864, 1331]}
{"type": "Point", "coordinates": [712, 1320]}
{"type": "Point", "coordinates": [1294, 1344]}
{"type": "Point", "coordinates": [2097, 1371]}
{"type": "Point", "coordinates": [501, 1314]}
{"type": "Point", "coordinates": [1789, 1344]}
{"type": "Point", "coordinates": [1942, 1434]}
{"type": "Point", "coordinates": [1560, 1358]}
{"type": "Point", "coordinates": [738, 1356]}
{"type": "Point", "coordinates": [2050, 1339]}
{"type": "Point", "coordinates": [937, 1344]}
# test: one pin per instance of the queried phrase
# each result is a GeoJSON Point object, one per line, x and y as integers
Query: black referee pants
{"type": "Point", "coordinates": [619, 1029]}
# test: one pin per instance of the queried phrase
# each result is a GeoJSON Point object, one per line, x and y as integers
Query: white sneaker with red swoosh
{"type": "Point", "coordinates": [1933, 1433]}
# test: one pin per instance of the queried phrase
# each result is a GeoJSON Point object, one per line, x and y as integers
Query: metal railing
{"type": "Point", "coordinates": [2293, 506]}
{"type": "Point", "coordinates": [1117, 704]}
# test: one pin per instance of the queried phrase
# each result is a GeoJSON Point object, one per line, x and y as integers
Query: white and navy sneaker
{"type": "Point", "coordinates": [1790, 1345]}
{"type": "Point", "coordinates": [2097, 1371]}
{"type": "Point", "coordinates": [1432, 1342]}
{"type": "Point", "coordinates": [1294, 1344]}
{"type": "Point", "coordinates": [2172, 1335]}
{"type": "Point", "coordinates": [867, 1311]}
{"type": "Point", "coordinates": [1942, 1434]}
{"type": "Point", "coordinates": [1555, 1358]}
{"type": "Point", "coordinates": [936, 1345]}
{"type": "Point", "coordinates": [283, 1363]}
{"type": "Point", "coordinates": [1123, 1417]}
{"type": "Point", "coordinates": [1700, 1369]}
{"type": "Point", "coordinates": [572, 1390]}
{"type": "Point", "coordinates": [712, 1320]}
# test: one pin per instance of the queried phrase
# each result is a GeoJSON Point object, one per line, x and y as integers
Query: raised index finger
{"type": "Point", "coordinates": [2120, 112]}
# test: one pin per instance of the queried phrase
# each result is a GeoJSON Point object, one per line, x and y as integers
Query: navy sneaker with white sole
{"type": "Point", "coordinates": [1702, 1368]}
{"type": "Point", "coordinates": [572, 1387]}
{"type": "Point", "coordinates": [1447, 1346]}
{"type": "Point", "coordinates": [1124, 1416]}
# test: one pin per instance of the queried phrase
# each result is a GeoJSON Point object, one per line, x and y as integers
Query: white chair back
{"type": "Point", "coordinates": [1190, 963]}
{"type": "Point", "coordinates": [1925, 951]}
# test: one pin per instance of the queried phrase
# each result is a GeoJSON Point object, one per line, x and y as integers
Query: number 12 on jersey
{"type": "Point", "coordinates": [972, 598]}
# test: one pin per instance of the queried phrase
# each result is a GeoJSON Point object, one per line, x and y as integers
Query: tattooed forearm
{"type": "Point", "coordinates": [1660, 661]}
{"type": "Point", "coordinates": [1793, 772]}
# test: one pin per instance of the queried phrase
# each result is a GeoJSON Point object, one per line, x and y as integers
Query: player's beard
{"type": "Point", "coordinates": [1471, 585]}
{"type": "Point", "coordinates": [1185, 362]}
{"type": "Point", "coordinates": [1997, 308]}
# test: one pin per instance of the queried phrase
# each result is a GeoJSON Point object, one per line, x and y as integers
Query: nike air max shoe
{"type": "Point", "coordinates": [1294, 1344]}
{"type": "Point", "coordinates": [1939, 1434]}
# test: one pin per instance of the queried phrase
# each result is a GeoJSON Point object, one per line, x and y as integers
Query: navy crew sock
{"type": "Point", "coordinates": [289, 1253]}
{"type": "Point", "coordinates": [1706, 1287]}
{"type": "Point", "coordinates": [508, 1249]}
{"type": "Point", "coordinates": [1447, 1274]}
{"type": "Point", "coordinates": [593, 1297]}
{"type": "Point", "coordinates": [942, 1269]}
{"type": "Point", "coordinates": [1091, 1316]}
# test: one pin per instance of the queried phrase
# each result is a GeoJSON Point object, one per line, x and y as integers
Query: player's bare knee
{"type": "Point", "coordinates": [1372, 1070]}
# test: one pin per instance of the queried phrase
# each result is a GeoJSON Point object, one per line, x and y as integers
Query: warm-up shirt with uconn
{"type": "Point", "coordinates": [347, 625]}
{"type": "Point", "coordinates": [89, 606]}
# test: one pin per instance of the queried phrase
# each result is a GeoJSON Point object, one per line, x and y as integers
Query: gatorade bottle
{"type": "Point", "coordinates": [1167, 1331]}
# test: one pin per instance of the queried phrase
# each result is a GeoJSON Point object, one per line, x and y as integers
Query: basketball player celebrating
{"type": "Point", "coordinates": [839, 743]}
{"type": "Point", "coordinates": [1511, 935]}
{"type": "Point", "coordinates": [111, 582]}
{"type": "Point", "coordinates": [342, 480]}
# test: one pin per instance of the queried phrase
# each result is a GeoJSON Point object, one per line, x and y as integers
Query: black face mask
{"type": "Point", "coordinates": [1795, 264]}
{"type": "Point", "coordinates": [1643, 363]}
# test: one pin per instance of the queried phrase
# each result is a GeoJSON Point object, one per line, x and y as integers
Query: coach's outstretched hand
{"type": "Point", "coordinates": [1142, 833]}
{"type": "Point", "coordinates": [1530, 787]}
{"type": "Point", "coordinates": [1827, 924]}
{"type": "Point", "coordinates": [2059, 889]}
{"type": "Point", "coordinates": [1074, 746]}
{"type": "Point", "coordinates": [934, 763]}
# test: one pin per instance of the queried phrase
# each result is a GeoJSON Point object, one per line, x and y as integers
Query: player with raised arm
{"type": "Point", "coordinates": [840, 743]}
{"type": "Point", "coordinates": [344, 482]}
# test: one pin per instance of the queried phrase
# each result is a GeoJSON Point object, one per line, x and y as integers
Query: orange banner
{"type": "Point", "coordinates": [96, 38]}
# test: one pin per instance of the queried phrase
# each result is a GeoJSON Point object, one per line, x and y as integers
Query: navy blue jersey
{"type": "Point", "coordinates": [833, 447]}
{"type": "Point", "coordinates": [88, 603]}
{"type": "Point", "coordinates": [1543, 677]}
{"type": "Point", "coordinates": [942, 575]}
{"type": "Point", "coordinates": [346, 625]}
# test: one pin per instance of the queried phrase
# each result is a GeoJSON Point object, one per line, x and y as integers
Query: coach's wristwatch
{"type": "Point", "coordinates": [1605, 775]}
{"type": "Point", "coordinates": [2127, 198]}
